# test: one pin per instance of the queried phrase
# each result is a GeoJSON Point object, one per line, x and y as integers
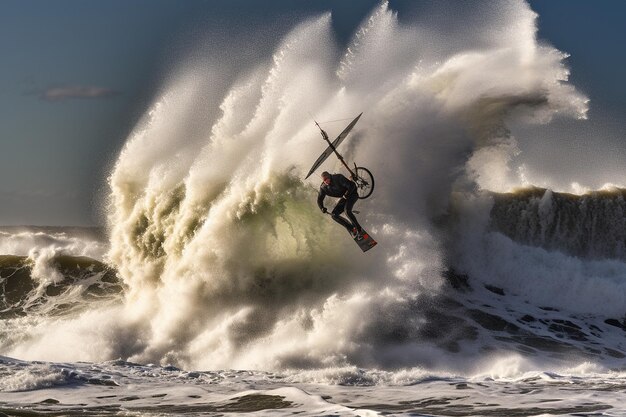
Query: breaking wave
{"type": "Point", "coordinates": [591, 225]}
{"type": "Point", "coordinates": [227, 262]}
{"type": "Point", "coordinates": [216, 230]}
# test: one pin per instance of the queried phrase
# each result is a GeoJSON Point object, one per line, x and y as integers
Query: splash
{"type": "Point", "coordinates": [227, 260]}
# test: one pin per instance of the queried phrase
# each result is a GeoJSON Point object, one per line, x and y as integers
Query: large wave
{"type": "Point", "coordinates": [227, 260]}
{"type": "Point", "coordinates": [559, 250]}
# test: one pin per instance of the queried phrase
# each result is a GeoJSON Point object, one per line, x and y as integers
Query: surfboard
{"type": "Point", "coordinates": [334, 145]}
{"type": "Point", "coordinates": [366, 242]}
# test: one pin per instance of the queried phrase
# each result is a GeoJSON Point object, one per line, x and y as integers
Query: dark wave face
{"type": "Point", "coordinates": [85, 282]}
{"type": "Point", "coordinates": [591, 225]}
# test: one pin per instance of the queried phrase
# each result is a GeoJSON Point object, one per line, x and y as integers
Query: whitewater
{"type": "Point", "coordinates": [218, 287]}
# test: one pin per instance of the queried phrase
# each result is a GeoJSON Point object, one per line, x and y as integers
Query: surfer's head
{"type": "Point", "coordinates": [326, 177]}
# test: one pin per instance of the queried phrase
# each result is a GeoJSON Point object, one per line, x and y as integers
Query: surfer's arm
{"type": "Point", "coordinates": [320, 199]}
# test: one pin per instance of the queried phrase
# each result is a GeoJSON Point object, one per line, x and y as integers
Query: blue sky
{"type": "Point", "coordinates": [76, 75]}
{"type": "Point", "coordinates": [55, 149]}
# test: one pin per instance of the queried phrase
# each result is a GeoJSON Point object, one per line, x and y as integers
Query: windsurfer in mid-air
{"type": "Point", "coordinates": [341, 187]}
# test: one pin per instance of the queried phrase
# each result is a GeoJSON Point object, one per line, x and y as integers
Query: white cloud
{"type": "Point", "coordinates": [76, 92]}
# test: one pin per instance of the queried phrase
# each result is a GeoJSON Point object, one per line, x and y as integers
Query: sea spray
{"type": "Point", "coordinates": [226, 259]}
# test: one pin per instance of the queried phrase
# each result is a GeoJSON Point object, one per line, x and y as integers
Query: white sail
{"type": "Point", "coordinates": [333, 146]}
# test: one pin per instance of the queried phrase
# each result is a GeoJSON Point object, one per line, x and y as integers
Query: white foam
{"type": "Point", "coordinates": [32, 378]}
{"type": "Point", "coordinates": [107, 387]}
{"type": "Point", "coordinates": [26, 242]}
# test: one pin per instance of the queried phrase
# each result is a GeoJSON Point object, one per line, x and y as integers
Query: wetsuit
{"type": "Point", "coordinates": [340, 186]}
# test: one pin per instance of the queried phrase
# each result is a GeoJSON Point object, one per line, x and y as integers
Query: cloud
{"type": "Point", "coordinates": [76, 92]}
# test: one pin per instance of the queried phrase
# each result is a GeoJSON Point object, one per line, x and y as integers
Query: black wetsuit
{"type": "Point", "coordinates": [340, 186]}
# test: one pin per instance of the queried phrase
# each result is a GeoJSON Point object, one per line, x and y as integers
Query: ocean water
{"type": "Point", "coordinates": [473, 348]}
{"type": "Point", "coordinates": [216, 286]}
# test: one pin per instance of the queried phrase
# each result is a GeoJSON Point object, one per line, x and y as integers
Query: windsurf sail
{"type": "Point", "coordinates": [331, 148]}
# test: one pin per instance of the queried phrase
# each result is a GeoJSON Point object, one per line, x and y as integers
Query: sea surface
{"type": "Point", "coordinates": [216, 286]}
{"type": "Point", "coordinates": [499, 353]}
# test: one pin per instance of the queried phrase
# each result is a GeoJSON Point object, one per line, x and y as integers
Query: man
{"type": "Point", "coordinates": [339, 186]}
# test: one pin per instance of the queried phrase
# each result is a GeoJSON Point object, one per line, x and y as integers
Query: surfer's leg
{"type": "Point", "coordinates": [336, 215]}
{"type": "Point", "coordinates": [349, 204]}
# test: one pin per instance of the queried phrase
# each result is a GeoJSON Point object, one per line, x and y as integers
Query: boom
{"type": "Point", "coordinates": [332, 147]}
